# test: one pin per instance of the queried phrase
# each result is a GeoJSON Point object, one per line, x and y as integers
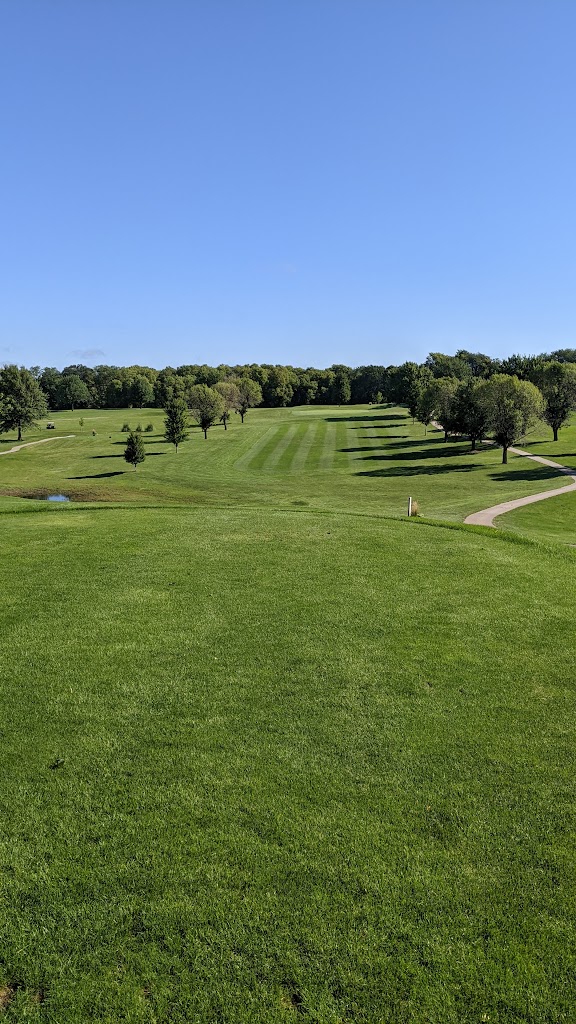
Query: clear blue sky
{"type": "Point", "coordinates": [294, 181]}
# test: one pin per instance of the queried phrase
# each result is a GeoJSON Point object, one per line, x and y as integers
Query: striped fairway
{"type": "Point", "coordinates": [294, 447]}
{"type": "Point", "coordinates": [333, 442]}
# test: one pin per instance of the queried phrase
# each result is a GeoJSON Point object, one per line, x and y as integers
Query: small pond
{"type": "Point", "coordinates": [57, 497]}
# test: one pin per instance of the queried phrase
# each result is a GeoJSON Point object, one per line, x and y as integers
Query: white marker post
{"type": "Point", "coordinates": [409, 507]}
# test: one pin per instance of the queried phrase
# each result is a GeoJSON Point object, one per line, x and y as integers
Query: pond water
{"type": "Point", "coordinates": [57, 497]}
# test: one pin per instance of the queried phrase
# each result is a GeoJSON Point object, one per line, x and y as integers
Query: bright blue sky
{"type": "Point", "coordinates": [294, 181]}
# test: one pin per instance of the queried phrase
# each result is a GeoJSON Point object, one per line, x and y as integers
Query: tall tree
{"type": "Point", "coordinates": [342, 391]}
{"type": "Point", "coordinates": [134, 453]}
{"type": "Point", "coordinates": [230, 395]}
{"type": "Point", "coordinates": [250, 395]}
{"type": "Point", "coordinates": [470, 410]}
{"type": "Point", "coordinates": [559, 390]}
{"type": "Point", "coordinates": [141, 391]}
{"type": "Point", "coordinates": [176, 422]}
{"type": "Point", "coordinates": [49, 381]}
{"type": "Point", "coordinates": [73, 392]}
{"type": "Point", "coordinates": [206, 406]}
{"type": "Point", "coordinates": [444, 389]}
{"type": "Point", "coordinates": [425, 406]}
{"type": "Point", "coordinates": [22, 400]}
{"type": "Point", "coordinates": [278, 390]}
{"type": "Point", "coordinates": [513, 407]}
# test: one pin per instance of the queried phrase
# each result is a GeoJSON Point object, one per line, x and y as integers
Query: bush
{"type": "Point", "coordinates": [415, 508]}
{"type": "Point", "coordinates": [125, 428]}
{"type": "Point", "coordinates": [139, 428]}
{"type": "Point", "coordinates": [148, 428]}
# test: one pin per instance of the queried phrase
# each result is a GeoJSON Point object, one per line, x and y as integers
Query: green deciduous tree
{"type": "Point", "coordinates": [73, 392]}
{"type": "Point", "coordinates": [22, 401]}
{"type": "Point", "coordinates": [470, 410]}
{"type": "Point", "coordinates": [134, 453]}
{"type": "Point", "coordinates": [513, 406]}
{"type": "Point", "coordinates": [559, 390]}
{"type": "Point", "coordinates": [176, 422]}
{"type": "Point", "coordinates": [444, 389]}
{"type": "Point", "coordinates": [206, 406]}
{"type": "Point", "coordinates": [342, 391]}
{"type": "Point", "coordinates": [141, 392]}
{"type": "Point", "coordinates": [230, 396]}
{"type": "Point", "coordinates": [249, 395]}
{"type": "Point", "coordinates": [425, 406]}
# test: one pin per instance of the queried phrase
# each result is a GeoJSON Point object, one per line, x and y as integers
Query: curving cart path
{"type": "Point", "coordinates": [29, 444]}
{"type": "Point", "coordinates": [487, 516]}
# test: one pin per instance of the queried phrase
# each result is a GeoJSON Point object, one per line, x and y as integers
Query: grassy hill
{"type": "Point", "coordinates": [360, 459]}
{"type": "Point", "coordinates": [268, 755]}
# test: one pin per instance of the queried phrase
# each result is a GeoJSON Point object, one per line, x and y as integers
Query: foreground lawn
{"type": "Point", "coordinates": [261, 765]}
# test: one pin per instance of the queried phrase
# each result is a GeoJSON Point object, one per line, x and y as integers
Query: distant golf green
{"type": "Point", "coordinates": [269, 754]}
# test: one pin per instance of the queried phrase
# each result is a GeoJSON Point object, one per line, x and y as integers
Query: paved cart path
{"type": "Point", "coordinates": [29, 444]}
{"type": "Point", "coordinates": [487, 516]}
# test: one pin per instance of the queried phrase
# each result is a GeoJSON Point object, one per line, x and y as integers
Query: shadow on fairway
{"type": "Point", "coordinates": [146, 440]}
{"type": "Point", "coordinates": [419, 442]}
{"type": "Point", "coordinates": [538, 473]}
{"type": "Point", "coordinates": [414, 456]}
{"type": "Point", "coordinates": [419, 470]}
{"type": "Point", "coordinates": [356, 419]}
{"type": "Point", "coordinates": [148, 455]}
{"type": "Point", "coordinates": [98, 476]}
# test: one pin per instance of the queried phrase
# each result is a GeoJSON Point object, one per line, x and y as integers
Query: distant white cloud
{"type": "Point", "coordinates": [86, 353]}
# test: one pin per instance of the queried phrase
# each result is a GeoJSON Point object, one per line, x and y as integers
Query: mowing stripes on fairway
{"type": "Point", "coordinates": [261, 458]}
{"type": "Point", "coordinates": [313, 457]}
{"type": "Point", "coordinates": [286, 459]}
{"type": "Point", "coordinates": [245, 461]}
{"type": "Point", "coordinates": [328, 447]}
{"type": "Point", "coordinates": [274, 460]}
{"type": "Point", "coordinates": [341, 456]}
{"type": "Point", "coordinates": [305, 447]}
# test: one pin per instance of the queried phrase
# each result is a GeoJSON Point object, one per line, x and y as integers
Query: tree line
{"type": "Point", "coordinates": [468, 393]}
{"type": "Point", "coordinates": [121, 387]}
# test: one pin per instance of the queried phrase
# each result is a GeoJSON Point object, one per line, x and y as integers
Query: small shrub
{"type": "Point", "coordinates": [148, 428]}
{"type": "Point", "coordinates": [139, 428]}
{"type": "Point", "coordinates": [125, 428]}
{"type": "Point", "coordinates": [415, 508]}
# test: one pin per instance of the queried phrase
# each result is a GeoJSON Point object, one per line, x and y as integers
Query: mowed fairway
{"type": "Point", "coordinates": [363, 460]}
{"type": "Point", "coordinates": [266, 761]}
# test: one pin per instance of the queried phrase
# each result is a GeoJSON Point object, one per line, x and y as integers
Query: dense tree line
{"type": "Point", "coordinates": [469, 393]}
{"type": "Point", "coordinates": [121, 387]}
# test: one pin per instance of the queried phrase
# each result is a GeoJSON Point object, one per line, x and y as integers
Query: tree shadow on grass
{"type": "Point", "coordinates": [97, 476]}
{"type": "Point", "coordinates": [427, 440]}
{"type": "Point", "coordinates": [146, 440]}
{"type": "Point", "coordinates": [148, 455]}
{"type": "Point", "coordinates": [356, 419]}
{"type": "Point", "coordinates": [366, 448]}
{"type": "Point", "coordinates": [418, 456]}
{"type": "Point", "coordinates": [527, 473]}
{"type": "Point", "coordinates": [419, 470]}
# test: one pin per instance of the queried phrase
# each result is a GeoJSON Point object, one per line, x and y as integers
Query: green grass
{"type": "Point", "coordinates": [350, 459]}
{"type": "Point", "coordinates": [553, 520]}
{"type": "Point", "coordinates": [265, 761]}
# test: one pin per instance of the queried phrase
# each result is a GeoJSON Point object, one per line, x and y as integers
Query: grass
{"type": "Point", "coordinates": [361, 459]}
{"type": "Point", "coordinates": [270, 762]}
